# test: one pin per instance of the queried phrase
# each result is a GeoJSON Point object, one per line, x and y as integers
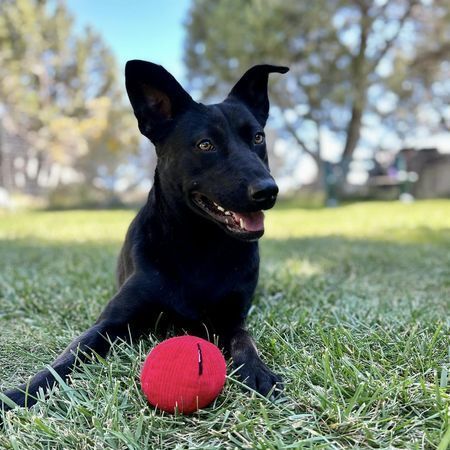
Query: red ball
{"type": "Point", "coordinates": [183, 374]}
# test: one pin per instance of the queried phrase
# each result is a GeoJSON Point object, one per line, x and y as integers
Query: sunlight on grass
{"type": "Point", "coordinates": [294, 267]}
{"type": "Point", "coordinates": [65, 226]}
{"type": "Point", "coordinates": [387, 220]}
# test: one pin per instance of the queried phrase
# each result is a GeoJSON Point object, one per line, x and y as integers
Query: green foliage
{"type": "Point", "coordinates": [352, 308]}
{"type": "Point", "coordinates": [59, 92]}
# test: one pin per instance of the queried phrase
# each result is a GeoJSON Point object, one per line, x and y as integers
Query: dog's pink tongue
{"type": "Point", "coordinates": [252, 221]}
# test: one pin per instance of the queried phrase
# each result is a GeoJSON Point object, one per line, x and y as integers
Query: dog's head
{"type": "Point", "coordinates": [213, 157]}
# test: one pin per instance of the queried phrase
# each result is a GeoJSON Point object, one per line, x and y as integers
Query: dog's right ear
{"type": "Point", "coordinates": [156, 97]}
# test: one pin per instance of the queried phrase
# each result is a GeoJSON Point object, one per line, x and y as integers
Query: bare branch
{"type": "Point", "coordinates": [291, 129]}
{"type": "Point", "coordinates": [300, 142]}
{"type": "Point", "coordinates": [388, 44]}
{"type": "Point", "coordinates": [439, 54]}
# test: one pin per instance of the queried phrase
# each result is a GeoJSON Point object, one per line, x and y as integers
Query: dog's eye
{"type": "Point", "coordinates": [205, 146]}
{"type": "Point", "coordinates": [258, 139]}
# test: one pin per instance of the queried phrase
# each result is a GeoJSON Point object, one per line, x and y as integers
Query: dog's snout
{"type": "Point", "coordinates": [263, 190]}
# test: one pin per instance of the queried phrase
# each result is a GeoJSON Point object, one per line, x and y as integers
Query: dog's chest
{"type": "Point", "coordinates": [211, 283]}
{"type": "Point", "coordinates": [214, 282]}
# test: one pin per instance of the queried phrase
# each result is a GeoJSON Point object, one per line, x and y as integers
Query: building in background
{"type": "Point", "coordinates": [422, 173]}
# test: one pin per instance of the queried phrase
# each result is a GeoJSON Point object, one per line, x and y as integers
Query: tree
{"type": "Point", "coordinates": [58, 90]}
{"type": "Point", "coordinates": [343, 56]}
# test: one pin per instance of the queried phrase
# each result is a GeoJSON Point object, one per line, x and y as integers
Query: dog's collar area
{"type": "Point", "coordinates": [247, 226]}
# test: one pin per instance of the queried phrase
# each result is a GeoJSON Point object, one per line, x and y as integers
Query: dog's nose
{"type": "Point", "coordinates": [263, 190]}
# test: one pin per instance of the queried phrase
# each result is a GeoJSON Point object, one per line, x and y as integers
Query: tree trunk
{"type": "Point", "coordinates": [320, 181]}
{"type": "Point", "coordinates": [353, 131]}
{"type": "Point", "coordinates": [359, 79]}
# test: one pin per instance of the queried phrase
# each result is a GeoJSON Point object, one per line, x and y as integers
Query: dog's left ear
{"type": "Point", "coordinates": [251, 90]}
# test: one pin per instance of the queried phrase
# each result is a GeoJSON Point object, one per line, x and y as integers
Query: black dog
{"type": "Point", "coordinates": [190, 257]}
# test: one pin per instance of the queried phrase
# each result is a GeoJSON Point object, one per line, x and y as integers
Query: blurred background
{"type": "Point", "coordinates": [364, 112]}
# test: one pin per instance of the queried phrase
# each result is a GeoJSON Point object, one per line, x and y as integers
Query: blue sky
{"type": "Point", "coordinates": [138, 29]}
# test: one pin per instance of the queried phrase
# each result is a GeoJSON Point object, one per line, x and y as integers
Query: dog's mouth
{"type": "Point", "coordinates": [243, 225]}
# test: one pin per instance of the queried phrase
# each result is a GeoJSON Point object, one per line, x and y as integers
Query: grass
{"type": "Point", "coordinates": [352, 308]}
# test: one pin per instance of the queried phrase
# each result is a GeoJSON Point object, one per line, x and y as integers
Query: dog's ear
{"type": "Point", "coordinates": [156, 97]}
{"type": "Point", "coordinates": [251, 90]}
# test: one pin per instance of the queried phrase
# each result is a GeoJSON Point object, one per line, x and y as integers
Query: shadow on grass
{"type": "Point", "coordinates": [424, 251]}
{"type": "Point", "coordinates": [401, 248]}
{"type": "Point", "coordinates": [38, 277]}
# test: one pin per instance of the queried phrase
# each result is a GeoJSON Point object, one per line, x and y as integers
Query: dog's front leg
{"type": "Point", "coordinates": [250, 368]}
{"type": "Point", "coordinates": [122, 318]}
{"type": "Point", "coordinates": [96, 339]}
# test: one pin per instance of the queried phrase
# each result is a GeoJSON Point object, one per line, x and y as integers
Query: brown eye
{"type": "Point", "coordinates": [258, 139]}
{"type": "Point", "coordinates": [205, 146]}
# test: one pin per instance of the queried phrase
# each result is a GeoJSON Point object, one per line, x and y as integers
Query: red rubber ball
{"type": "Point", "coordinates": [183, 374]}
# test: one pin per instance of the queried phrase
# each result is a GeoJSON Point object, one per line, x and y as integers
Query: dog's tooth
{"type": "Point", "coordinates": [226, 220]}
{"type": "Point", "coordinates": [241, 223]}
{"type": "Point", "coordinates": [227, 213]}
{"type": "Point", "coordinates": [220, 208]}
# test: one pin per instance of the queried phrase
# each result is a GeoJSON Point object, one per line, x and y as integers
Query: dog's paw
{"type": "Point", "coordinates": [256, 375]}
{"type": "Point", "coordinates": [11, 399]}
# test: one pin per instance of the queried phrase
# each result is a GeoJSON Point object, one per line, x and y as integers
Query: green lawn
{"type": "Point", "coordinates": [352, 308]}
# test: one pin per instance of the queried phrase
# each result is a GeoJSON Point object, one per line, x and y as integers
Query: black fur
{"type": "Point", "coordinates": [181, 264]}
